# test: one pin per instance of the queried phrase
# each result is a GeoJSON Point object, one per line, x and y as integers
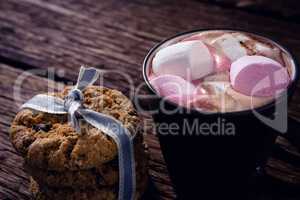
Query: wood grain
{"type": "Point", "coordinates": [116, 34]}
{"type": "Point", "coordinates": [13, 179]}
{"type": "Point", "coordinates": [62, 35]}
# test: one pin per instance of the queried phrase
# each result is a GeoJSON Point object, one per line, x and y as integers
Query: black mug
{"type": "Point", "coordinates": [212, 161]}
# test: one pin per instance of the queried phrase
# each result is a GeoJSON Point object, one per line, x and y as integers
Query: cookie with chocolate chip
{"type": "Point", "coordinates": [104, 175]}
{"type": "Point", "coordinates": [49, 142]}
{"type": "Point", "coordinates": [97, 177]}
{"type": "Point", "coordinates": [110, 192]}
{"type": "Point", "coordinates": [44, 193]}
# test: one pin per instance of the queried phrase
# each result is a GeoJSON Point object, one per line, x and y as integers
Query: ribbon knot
{"type": "Point", "coordinates": [75, 95]}
{"type": "Point", "coordinates": [74, 100]}
{"type": "Point", "coordinates": [72, 105]}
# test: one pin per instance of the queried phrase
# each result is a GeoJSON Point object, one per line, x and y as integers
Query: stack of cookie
{"type": "Point", "coordinates": [66, 165]}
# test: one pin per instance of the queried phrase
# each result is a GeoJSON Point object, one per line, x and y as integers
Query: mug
{"type": "Point", "coordinates": [212, 155]}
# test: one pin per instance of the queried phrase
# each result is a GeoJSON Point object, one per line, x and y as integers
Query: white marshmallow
{"type": "Point", "coordinates": [212, 96]}
{"type": "Point", "coordinates": [190, 60]}
{"type": "Point", "coordinates": [231, 46]}
{"type": "Point", "coordinates": [267, 51]}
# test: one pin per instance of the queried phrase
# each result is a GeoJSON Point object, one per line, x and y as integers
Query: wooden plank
{"type": "Point", "coordinates": [111, 35]}
{"type": "Point", "coordinates": [116, 34]}
{"type": "Point", "coordinates": [13, 179]}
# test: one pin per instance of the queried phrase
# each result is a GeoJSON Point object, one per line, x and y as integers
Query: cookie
{"type": "Point", "coordinates": [44, 193]}
{"type": "Point", "coordinates": [49, 142]}
{"type": "Point", "coordinates": [105, 193]}
{"type": "Point", "coordinates": [104, 175]}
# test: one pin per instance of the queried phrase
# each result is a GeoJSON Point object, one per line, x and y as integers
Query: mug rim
{"type": "Point", "coordinates": [267, 106]}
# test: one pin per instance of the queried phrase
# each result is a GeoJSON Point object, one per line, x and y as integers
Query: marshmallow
{"type": "Point", "coordinates": [212, 96]}
{"type": "Point", "coordinates": [206, 36]}
{"type": "Point", "coordinates": [173, 88]}
{"type": "Point", "coordinates": [266, 50]}
{"type": "Point", "coordinates": [222, 62]}
{"type": "Point", "coordinates": [256, 47]}
{"type": "Point", "coordinates": [193, 37]}
{"type": "Point", "coordinates": [205, 103]}
{"type": "Point", "coordinates": [258, 76]}
{"type": "Point", "coordinates": [241, 37]}
{"type": "Point", "coordinates": [190, 60]}
{"type": "Point", "coordinates": [220, 76]}
{"type": "Point", "coordinates": [212, 87]}
{"type": "Point", "coordinates": [231, 46]}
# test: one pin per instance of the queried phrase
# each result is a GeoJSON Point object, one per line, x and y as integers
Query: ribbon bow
{"type": "Point", "coordinates": [72, 106]}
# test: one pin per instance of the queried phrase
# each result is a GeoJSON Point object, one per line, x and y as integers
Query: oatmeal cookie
{"type": "Point", "coordinates": [105, 193]}
{"type": "Point", "coordinates": [49, 142]}
{"type": "Point", "coordinates": [104, 175]}
{"type": "Point", "coordinates": [45, 193]}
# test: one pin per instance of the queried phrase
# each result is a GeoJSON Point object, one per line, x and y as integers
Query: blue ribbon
{"type": "Point", "coordinates": [72, 105]}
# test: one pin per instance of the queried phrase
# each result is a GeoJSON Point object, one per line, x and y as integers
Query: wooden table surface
{"type": "Point", "coordinates": [111, 34]}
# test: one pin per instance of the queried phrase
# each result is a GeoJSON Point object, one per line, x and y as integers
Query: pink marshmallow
{"type": "Point", "coordinates": [258, 76]}
{"type": "Point", "coordinates": [173, 88]}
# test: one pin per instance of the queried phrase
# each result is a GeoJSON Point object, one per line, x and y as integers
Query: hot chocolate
{"type": "Point", "coordinates": [220, 71]}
